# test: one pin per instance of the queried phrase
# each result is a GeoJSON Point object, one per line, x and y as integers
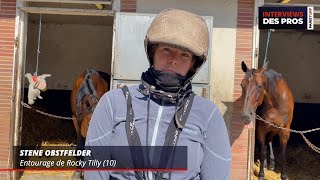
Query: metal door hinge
{"type": "Point", "coordinates": [256, 52]}
{"type": "Point", "coordinates": [16, 42]}
{"type": "Point", "coordinates": [204, 92]}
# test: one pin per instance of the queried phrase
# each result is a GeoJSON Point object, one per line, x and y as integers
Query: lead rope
{"type": "Point", "coordinates": [268, 39]}
{"type": "Point", "coordinates": [38, 50]}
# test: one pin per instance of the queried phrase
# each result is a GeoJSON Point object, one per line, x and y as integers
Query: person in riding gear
{"type": "Point", "coordinates": [176, 45]}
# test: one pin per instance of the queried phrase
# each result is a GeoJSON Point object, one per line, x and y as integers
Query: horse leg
{"type": "Point", "coordinates": [284, 137]}
{"type": "Point", "coordinates": [271, 156]}
{"type": "Point", "coordinates": [263, 153]}
{"type": "Point", "coordinates": [78, 175]}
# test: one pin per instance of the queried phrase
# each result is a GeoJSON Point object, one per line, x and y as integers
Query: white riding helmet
{"type": "Point", "coordinates": [179, 28]}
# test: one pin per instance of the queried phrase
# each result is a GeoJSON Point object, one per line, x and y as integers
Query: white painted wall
{"type": "Point", "coordinates": [67, 50]}
{"type": "Point", "coordinates": [223, 42]}
{"type": "Point", "coordinates": [295, 54]}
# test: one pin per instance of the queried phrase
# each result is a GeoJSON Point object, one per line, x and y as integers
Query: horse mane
{"type": "Point", "coordinates": [271, 77]}
{"type": "Point", "coordinates": [87, 87]}
{"type": "Point", "coordinates": [105, 76]}
{"type": "Point", "coordinates": [250, 72]}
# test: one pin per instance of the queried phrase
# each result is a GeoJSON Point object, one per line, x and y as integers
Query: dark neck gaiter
{"type": "Point", "coordinates": [164, 85]}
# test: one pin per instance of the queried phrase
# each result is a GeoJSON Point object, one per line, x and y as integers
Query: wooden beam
{"type": "Point", "coordinates": [292, 4]}
{"type": "Point", "coordinates": [284, 1]}
{"type": "Point", "coordinates": [65, 11]}
{"type": "Point", "coordinates": [70, 1]}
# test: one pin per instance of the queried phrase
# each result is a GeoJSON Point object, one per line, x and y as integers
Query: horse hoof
{"type": "Point", "coordinates": [271, 167]}
{"type": "Point", "coordinates": [265, 164]}
{"type": "Point", "coordinates": [261, 178]}
{"type": "Point", "coordinates": [283, 177]}
{"type": "Point", "coordinates": [77, 176]}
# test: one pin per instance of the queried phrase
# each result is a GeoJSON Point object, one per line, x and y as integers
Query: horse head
{"type": "Point", "coordinates": [253, 91]}
{"type": "Point", "coordinates": [89, 90]}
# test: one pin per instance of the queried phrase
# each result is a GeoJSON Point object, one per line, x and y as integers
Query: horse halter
{"type": "Point", "coordinates": [95, 102]}
{"type": "Point", "coordinates": [81, 111]}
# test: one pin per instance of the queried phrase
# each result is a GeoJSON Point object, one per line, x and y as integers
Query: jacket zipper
{"type": "Point", "coordinates": [156, 126]}
{"type": "Point", "coordinates": [155, 134]}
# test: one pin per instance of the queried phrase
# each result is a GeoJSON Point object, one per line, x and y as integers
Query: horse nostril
{"type": "Point", "coordinates": [251, 113]}
{"type": "Point", "coordinates": [244, 116]}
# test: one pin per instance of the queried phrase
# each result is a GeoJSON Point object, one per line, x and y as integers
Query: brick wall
{"type": "Point", "coordinates": [128, 5]}
{"type": "Point", "coordinates": [7, 28]}
{"type": "Point", "coordinates": [244, 43]}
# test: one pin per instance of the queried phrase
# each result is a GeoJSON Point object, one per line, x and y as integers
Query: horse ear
{"type": "Point", "coordinates": [244, 67]}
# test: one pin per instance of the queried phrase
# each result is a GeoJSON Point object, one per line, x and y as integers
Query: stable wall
{"type": "Point", "coordinates": [7, 49]}
{"type": "Point", "coordinates": [295, 54]}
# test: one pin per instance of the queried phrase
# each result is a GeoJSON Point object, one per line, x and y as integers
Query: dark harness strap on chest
{"type": "Point", "coordinates": [132, 135]}
{"type": "Point", "coordinates": [171, 137]}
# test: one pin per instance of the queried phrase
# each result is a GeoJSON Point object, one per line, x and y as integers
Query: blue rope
{"type": "Point", "coordinates": [38, 50]}
{"type": "Point", "coordinates": [268, 39]}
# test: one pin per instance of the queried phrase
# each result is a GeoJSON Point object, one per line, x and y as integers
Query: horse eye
{"type": "Point", "coordinates": [259, 86]}
{"type": "Point", "coordinates": [87, 104]}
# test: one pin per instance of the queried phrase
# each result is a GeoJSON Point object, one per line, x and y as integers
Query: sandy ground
{"type": "Point", "coordinates": [302, 164]}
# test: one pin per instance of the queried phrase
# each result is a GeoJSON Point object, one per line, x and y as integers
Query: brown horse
{"type": "Point", "coordinates": [266, 93]}
{"type": "Point", "coordinates": [87, 90]}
